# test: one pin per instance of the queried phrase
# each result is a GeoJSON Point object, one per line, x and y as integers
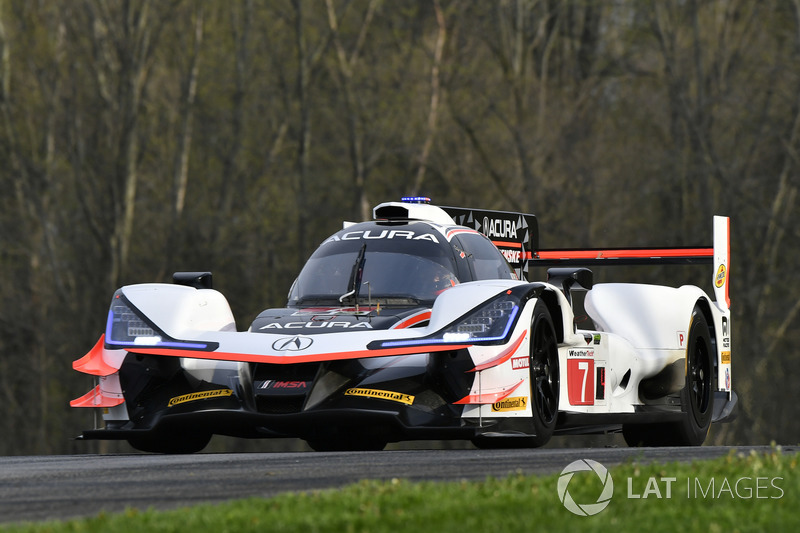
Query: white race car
{"type": "Point", "coordinates": [419, 325]}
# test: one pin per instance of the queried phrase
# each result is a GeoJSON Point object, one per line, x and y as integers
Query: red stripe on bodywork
{"type": "Point", "coordinates": [728, 260]}
{"type": "Point", "coordinates": [504, 356]}
{"type": "Point", "coordinates": [506, 244]}
{"type": "Point", "coordinates": [93, 363]}
{"type": "Point", "coordinates": [449, 235]}
{"type": "Point", "coordinates": [620, 254]}
{"type": "Point", "coordinates": [291, 359]}
{"type": "Point", "coordinates": [412, 320]}
{"type": "Point", "coordinates": [488, 398]}
{"type": "Point", "coordinates": [96, 398]}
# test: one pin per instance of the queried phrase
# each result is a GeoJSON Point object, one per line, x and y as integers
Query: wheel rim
{"type": "Point", "coordinates": [699, 376]}
{"type": "Point", "coordinates": [544, 373]}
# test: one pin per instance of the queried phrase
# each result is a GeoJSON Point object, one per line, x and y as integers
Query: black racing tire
{"type": "Point", "coordinates": [544, 375]}
{"type": "Point", "coordinates": [184, 443]}
{"type": "Point", "coordinates": [697, 396]}
{"type": "Point", "coordinates": [544, 392]}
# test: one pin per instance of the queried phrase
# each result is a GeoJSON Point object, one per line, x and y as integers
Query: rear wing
{"type": "Point", "coordinates": [718, 255]}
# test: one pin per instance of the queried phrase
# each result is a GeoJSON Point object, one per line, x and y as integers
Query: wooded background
{"type": "Point", "coordinates": [142, 137]}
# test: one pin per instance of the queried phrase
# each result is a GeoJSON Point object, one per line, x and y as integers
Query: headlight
{"type": "Point", "coordinates": [125, 327]}
{"type": "Point", "coordinates": [490, 323]}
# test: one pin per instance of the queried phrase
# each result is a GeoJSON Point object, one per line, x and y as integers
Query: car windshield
{"type": "Point", "coordinates": [395, 272]}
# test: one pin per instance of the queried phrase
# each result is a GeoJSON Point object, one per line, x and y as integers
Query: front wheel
{"type": "Point", "coordinates": [544, 375]}
{"type": "Point", "coordinates": [544, 391]}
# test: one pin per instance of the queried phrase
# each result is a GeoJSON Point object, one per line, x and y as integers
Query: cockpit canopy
{"type": "Point", "coordinates": [391, 263]}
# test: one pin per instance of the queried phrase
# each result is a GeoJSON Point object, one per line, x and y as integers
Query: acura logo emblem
{"type": "Point", "coordinates": [292, 344]}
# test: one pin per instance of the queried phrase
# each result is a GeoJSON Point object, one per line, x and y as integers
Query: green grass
{"type": "Point", "coordinates": [768, 501]}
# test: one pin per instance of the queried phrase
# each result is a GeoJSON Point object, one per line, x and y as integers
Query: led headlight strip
{"type": "Point", "coordinates": [127, 328]}
{"type": "Point", "coordinates": [488, 324]}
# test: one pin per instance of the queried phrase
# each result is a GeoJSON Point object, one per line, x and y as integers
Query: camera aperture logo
{"type": "Point", "coordinates": [585, 467]}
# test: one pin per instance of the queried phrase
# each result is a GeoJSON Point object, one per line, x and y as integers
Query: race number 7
{"type": "Point", "coordinates": [580, 382]}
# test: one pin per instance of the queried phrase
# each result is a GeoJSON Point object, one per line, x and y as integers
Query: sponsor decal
{"type": "Point", "coordinates": [292, 344]}
{"type": "Point", "coordinates": [719, 279]}
{"type": "Point", "coordinates": [728, 379]}
{"type": "Point", "coordinates": [581, 353]}
{"type": "Point", "coordinates": [381, 394]}
{"type": "Point", "coordinates": [518, 403]}
{"type": "Point", "coordinates": [681, 339]}
{"type": "Point", "coordinates": [600, 385]}
{"type": "Point", "coordinates": [383, 234]}
{"type": "Point", "coordinates": [518, 363]}
{"type": "Point", "coordinates": [204, 395]}
{"type": "Point", "coordinates": [328, 313]}
{"type": "Point", "coordinates": [580, 382]}
{"type": "Point", "coordinates": [512, 256]}
{"type": "Point", "coordinates": [726, 340]}
{"type": "Point", "coordinates": [272, 384]}
{"type": "Point", "coordinates": [494, 227]}
{"type": "Point", "coordinates": [319, 324]}
{"type": "Point", "coordinates": [726, 358]}
{"type": "Point", "coordinates": [592, 338]}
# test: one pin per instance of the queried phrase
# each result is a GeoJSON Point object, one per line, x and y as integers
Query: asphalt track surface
{"type": "Point", "coordinates": [37, 488]}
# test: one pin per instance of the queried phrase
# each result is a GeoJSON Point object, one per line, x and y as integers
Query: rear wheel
{"type": "Point", "coordinates": [697, 396]}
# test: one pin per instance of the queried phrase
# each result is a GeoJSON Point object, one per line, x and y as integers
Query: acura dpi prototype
{"type": "Point", "coordinates": [420, 324]}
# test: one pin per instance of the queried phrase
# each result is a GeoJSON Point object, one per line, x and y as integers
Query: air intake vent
{"type": "Point", "coordinates": [391, 211]}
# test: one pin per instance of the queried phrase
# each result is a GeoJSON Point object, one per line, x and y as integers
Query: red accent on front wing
{"type": "Point", "coordinates": [291, 359]}
{"type": "Point", "coordinates": [93, 363]}
{"type": "Point", "coordinates": [504, 356]}
{"type": "Point", "coordinates": [488, 398]}
{"type": "Point", "coordinates": [96, 398]}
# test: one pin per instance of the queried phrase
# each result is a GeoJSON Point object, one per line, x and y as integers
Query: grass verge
{"type": "Point", "coordinates": [756, 492]}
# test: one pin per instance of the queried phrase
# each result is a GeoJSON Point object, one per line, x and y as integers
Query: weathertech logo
{"type": "Point", "coordinates": [510, 404]}
{"type": "Point", "coordinates": [381, 394]}
{"type": "Point", "coordinates": [205, 395]}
